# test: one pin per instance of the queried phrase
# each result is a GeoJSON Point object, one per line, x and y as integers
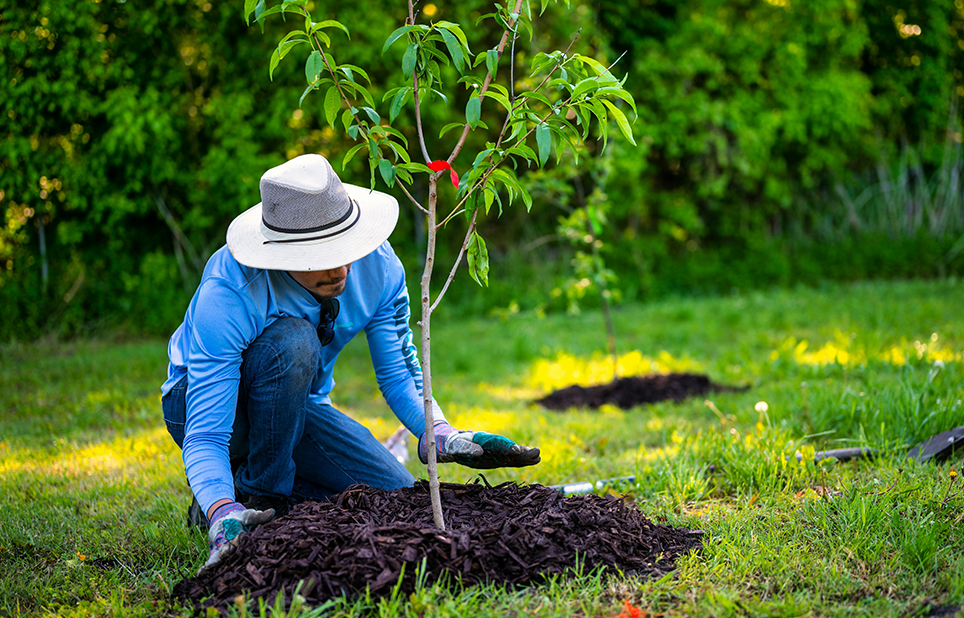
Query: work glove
{"type": "Point", "coordinates": [227, 524]}
{"type": "Point", "coordinates": [477, 449]}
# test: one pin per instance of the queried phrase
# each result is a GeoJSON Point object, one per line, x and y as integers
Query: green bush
{"type": "Point", "coordinates": [133, 133]}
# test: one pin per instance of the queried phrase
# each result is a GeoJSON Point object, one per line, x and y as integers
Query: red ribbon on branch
{"type": "Point", "coordinates": [438, 166]}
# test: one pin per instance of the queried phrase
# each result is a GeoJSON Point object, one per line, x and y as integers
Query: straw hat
{"type": "Point", "coordinates": [309, 220]}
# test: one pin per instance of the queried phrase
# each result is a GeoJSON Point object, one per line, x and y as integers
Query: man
{"type": "Point", "coordinates": [247, 394]}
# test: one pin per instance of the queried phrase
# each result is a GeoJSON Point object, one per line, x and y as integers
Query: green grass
{"type": "Point", "coordinates": [93, 497]}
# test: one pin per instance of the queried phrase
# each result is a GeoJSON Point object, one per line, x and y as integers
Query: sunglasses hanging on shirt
{"type": "Point", "coordinates": [326, 325]}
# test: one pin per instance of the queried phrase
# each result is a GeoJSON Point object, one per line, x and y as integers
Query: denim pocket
{"type": "Point", "coordinates": [174, 405]}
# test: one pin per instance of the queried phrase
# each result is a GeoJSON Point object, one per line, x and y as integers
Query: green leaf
{"type": "Point", "coordinates": [621, 121]}
{"type": "Point", "coordinates": [492, 61]}
{"type": "Point", "coordinates": [330, 23]}
{"type": "Point", "coordinates": [347, 116]}
{"type": "Point", "coordinates": [304, 94]}
{"type": "Point", "coordinates": [398, 150]}
{"type": "Point", "coordinates": [347, 72]}
{"type": "Point", "coordinates": [259, 14]}
{"type": "Point", "coordinates": [372, 149]}
{"type": "Point", "coordinates": [398, 103]}
{"type": "Point", "coordinates": [358, 70]}
{"type": "Point", "coordinates": [387, 170]}
{"type": "Point", "coordinates": [416, 167]}
{"type": "Point", "coordinates": [455, 50]}
{"type": "Point", "coordinates": [372, 115]}
{"type": "Point", "coordinates": [537, 97]}
{"type": "Point", "coordinates": [350, 154]}
{"type": "Point", "coordinates": [526, 198]}
{"type": "Point", "coordinates": [399, 33]}
{"type": "Point", "coordinates": [400, 137]}
{"type": "Point", "coordinates": [332, 105]}
{"type": "Point", "coordinates": [314, 66]}
{"type": "Point", "coordinates": [478, 259]}
{"type": "Point", "coordinates": [449, 127]}
{"type": "Point", "coordinates": [594, 221]}
{"type": "Point", "coordinates": [455, 29]}
{"type": "Point", "coordinates": [409, 58]}
{"type": "Point", "coordinates": [248, 9]}
{"type": "Point", "coordinates": [501, 98]}
{"type": "Point", "coordinates": [583, 87]}
{"type": "Point", "coordinates": [473, 111]}
{"type": "Point", "coordinates": [544, 140]}
{"type": "Point", "coordinates": [523, 151]}
{"type": "Point", "coordinates": [619, 93]}
{"type": "Point", "coordinates": [365, 94]}
{"type": "Point", "coordinates": [280, 52]}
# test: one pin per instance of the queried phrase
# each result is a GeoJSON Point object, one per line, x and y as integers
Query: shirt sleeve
{"type": "Point", "coordinates": [394, 355]}
{"type": "Point", "coordinates": [223, 327]}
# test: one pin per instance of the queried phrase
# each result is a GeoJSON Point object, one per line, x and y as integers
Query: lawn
{"type": "Point", "coordinates": [93, 496]}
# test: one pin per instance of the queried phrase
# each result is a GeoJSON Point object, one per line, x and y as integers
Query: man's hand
{"type": "Point", "coordinates": [227, 524]}
{"type": "Point", "coordinates": [477, 449]}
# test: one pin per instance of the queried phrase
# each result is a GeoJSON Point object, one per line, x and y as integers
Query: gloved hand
{"type": "Point", "coordinates": [227, 524]}
{"type": "Point", "coordinates": [477, 449]}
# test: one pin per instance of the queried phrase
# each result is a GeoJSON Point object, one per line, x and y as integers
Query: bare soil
{"type": "Point", "coordinates": [372, 538]}
{"type": "Point", "coordinates": [634, 391]}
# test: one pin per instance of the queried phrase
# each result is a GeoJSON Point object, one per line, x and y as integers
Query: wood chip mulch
{"type": "Point", "coordinates": [364, 537]}
{"type": "Point", "coordinates": [633, 391]}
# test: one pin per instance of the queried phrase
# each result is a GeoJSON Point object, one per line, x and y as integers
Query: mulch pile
{"type": "Point", "coordinates": [633, 391]}
{"type": "Point", "coordinates": [367, 537]}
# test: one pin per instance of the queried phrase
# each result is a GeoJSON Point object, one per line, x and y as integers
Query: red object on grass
{"type": "Point", "coordinates": [438, 166]}
{"type": "Point", "coordinates": [631, 611]}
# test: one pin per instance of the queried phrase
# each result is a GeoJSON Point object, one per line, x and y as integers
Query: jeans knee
{"type": "Point", "coordinates": [289, 346]}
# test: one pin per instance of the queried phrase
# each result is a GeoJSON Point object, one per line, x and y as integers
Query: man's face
{"type": "Point", "coordinates": [323, 283]}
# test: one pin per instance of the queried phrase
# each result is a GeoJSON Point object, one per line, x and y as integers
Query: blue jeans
{"type": "Point", "coordinates": [283, 445]}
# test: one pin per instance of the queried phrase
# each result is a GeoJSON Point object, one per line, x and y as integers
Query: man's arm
{"type": "Point", "coordinates": [223, 326]}
{"type": "Point", "coordinates": [400, 379]}
{"type": "Point", "coordinates": [394, 355]}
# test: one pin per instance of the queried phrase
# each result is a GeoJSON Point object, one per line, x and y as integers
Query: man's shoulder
{"type": "Point", "coordinates": [225, 270]}
{"type": "Point", "coordinates": [383, 261]}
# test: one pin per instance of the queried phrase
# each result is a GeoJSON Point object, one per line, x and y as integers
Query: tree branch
{"type": "Point", "coordinates": [414, 201]}
{"type": "Point", "coordinates": [458, 260]}
{"type": "Point", "coordinates": [418, 105]}
{"type": "Point", "coordinates": [486, 82]}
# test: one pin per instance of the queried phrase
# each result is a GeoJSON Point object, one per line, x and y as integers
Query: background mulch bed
{"type": "Point", "coordinates": [633, 391]}
{"type": "Point", "coordinates": [514, 534]}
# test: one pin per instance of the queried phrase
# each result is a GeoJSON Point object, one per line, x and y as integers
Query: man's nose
{"type": "Point", "coordinates": [338, 273]}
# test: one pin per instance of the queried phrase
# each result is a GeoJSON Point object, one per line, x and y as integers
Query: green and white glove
{"type": "Point", "coordinates": [477, 449]}
{"type": "Point", "coordinates": [228, 522]}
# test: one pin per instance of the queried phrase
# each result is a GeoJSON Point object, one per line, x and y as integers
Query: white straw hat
{"type": "Point", "coordinates": [309, 220]}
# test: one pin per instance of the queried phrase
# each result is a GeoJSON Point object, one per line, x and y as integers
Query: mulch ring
{"type": "Point", "coordinates": [633, 391]}
{"type": "Point", "coordinates": [365, 537]}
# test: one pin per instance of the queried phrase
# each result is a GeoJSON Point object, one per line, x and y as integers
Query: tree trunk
{"type": "Point", "coordinates": [426, 323]}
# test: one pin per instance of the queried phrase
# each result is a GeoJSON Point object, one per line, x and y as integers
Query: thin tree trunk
{"type": "Point", "coordinates": [426, 323]}
{"type": "Point", "coordinates": [44, 270]}
{"type": "Point", "coordinates": [600, 280]}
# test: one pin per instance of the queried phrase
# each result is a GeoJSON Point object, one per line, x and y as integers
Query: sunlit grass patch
{"type": "Point", "coordinates": [844, 350]}
{"type": "Point", "coordinates": [568, 369]}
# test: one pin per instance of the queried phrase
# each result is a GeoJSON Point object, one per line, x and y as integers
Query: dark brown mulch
{"type": "Point", "coordinates": [365, 537]}
{"type": "Point", "coordinates": [633, 391]}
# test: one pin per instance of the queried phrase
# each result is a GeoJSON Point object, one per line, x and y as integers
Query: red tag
{"type": "Point", "coordinates": [438, 166]}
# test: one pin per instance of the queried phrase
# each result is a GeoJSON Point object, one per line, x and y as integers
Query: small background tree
{"type": "Point", "coordinates": [556, 101]}
{"type": "Point", "coordinates": [579, 190]}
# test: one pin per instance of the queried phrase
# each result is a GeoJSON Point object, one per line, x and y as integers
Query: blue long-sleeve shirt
{"type": "Point", "coordinates": [232, 307]}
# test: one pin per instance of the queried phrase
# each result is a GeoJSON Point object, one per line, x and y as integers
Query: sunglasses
{"type": "Point", "coordinates": [326, 326]}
